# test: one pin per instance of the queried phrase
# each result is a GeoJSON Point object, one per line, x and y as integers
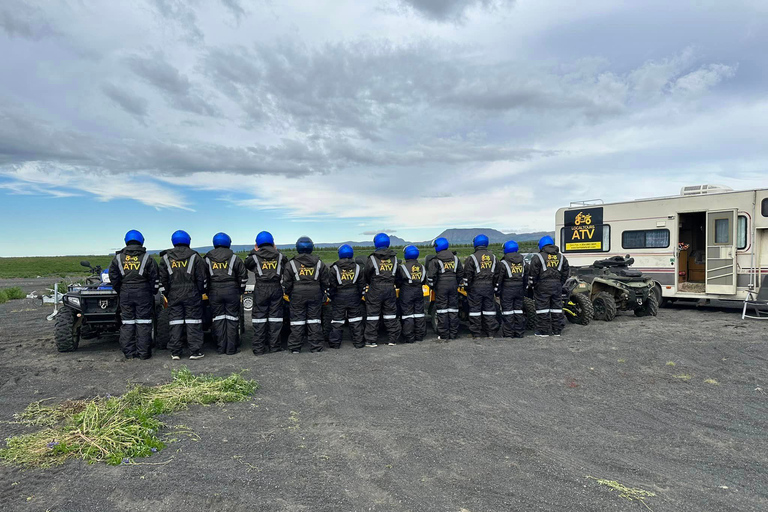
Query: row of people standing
{"type": "Point", "coordinates": [183, 276]}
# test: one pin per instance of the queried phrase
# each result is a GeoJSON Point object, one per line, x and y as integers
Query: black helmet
{"type": "Point", "coordinates": [304, 245]}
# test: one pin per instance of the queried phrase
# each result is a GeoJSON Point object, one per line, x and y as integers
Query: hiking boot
{"type": "Point", "coordinates": [175, 357]}
{"type": "Point", "coordinates": [391, 344]}
{"type": "Point", "coordinates": [197, 355]}
{"type": "Point", "coordinates": [371, 345]}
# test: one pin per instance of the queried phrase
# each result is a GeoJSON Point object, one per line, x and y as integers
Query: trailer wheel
{"type": "Point", "coordinates": [582, 309]}
{"type": "Point", "coordinates": [67, 330]}
{"type": "Point", "coordinates": [649, 308]}
{"type": "Point", "coordinates": [604, 306]}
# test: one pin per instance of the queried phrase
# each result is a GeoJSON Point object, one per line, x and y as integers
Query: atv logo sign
{"type": "Point", "coordinates": [307, 271]}
{"type": "Point", "coordinates": [386, 265]}
{"type": "Point", "coordinates": [269, 265]}
{"type": "Point", "coordinates": [179, 263]}
{"type": "Point", "coordinates": [347, 275]}
{"type": "Point", "coordinates": [103, 304]}
{"type": "Point", "coordinates": [485, 262]}
{"type": "Point", "coordinates": [583, 230]}
{"type": "Point", "coordinates": [219, 266]}
{"type": "Point", "coordinates": [131, 263]}
{"type": "Point", "coordinates": [416, 272]}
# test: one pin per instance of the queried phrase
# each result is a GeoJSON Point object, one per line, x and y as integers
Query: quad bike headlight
{"type": "Point", "coordinates": [74, 301]}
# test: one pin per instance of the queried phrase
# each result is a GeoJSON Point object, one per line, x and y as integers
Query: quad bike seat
{"type": "Point", "coordinates": [618, 265]}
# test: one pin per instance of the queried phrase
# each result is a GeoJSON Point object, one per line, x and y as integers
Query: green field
{"type": "Point", "coordinates": [62, 266]}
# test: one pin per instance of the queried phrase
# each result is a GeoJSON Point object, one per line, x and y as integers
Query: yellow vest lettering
{"type": "Point", "coordinates": [269, 265]}
{"type": "Point", "coordinates": [347, 275]}
{"type": "Point", "coordinates": [416, 272]}
{"type": "Point", "coordinates": [385, 265]}
{"type": "Point", "coordinates": [306, 271]}
{"type": "Point", "coordinates": [179, 264]}
{"type": "Point", "coordinates": [219, 266]}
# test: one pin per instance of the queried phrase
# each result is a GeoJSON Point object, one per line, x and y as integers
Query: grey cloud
{"type": "Point", "coordinates": [18, 19]}
{"type": "Point", "coordinates": [235, 8]}
{"type": "Point", "coordinates": [177, 87]}
{"type": "Point", "coordinates": [451, 10]}
{"type": "Point", "coordinates": [182, 14]}
{"type": "Point", "coordinates": [134, 105]}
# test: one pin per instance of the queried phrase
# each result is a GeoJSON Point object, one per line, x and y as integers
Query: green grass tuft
{"type": "Point", "coordinates": [3, 297]}
{"type": "Point", "coordinates": [683, 376]}
{"type": "Point", "coordinates": [14, 293]}
{"type": "Point", "coordinates": [670, 363]}
{"type": "Point", "coordinates": [116, 429]}
{"type": "Point", "coordinates": [711, 381]}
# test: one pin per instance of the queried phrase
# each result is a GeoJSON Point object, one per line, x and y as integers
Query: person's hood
{"type": "Point", "coordinates": [412, 262]}
{"type": "Point", "coordinates": [134, 249]}
{"type": "Point", "coordinates": [550, 249]}
{"type": "Point", "coordinates": [385, 253]}
{"type": "Point", "coordinates": [220, 254]}
{"type": "Point", "coordinates": [514, 257]}
{"type": "Point", "coordinates": [481, 248]}
{"type": "Point", "coordinates": [344, 261]}
{"type": "Point", "coordinates": [446, 255]}
{"type": "Point", "coordinates": [268, 252]}
{"type": "Point", "coordinates": [180, 252]}
{"type": "Point", "coordinates": [308, 260]}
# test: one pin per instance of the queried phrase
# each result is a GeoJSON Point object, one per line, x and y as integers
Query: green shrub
{"type": "Point", "coordinates": [116, 429]}
{"type": "Point", "coordinates": [14, 293]}
{"type": "Point", "coordinates": [3, 297]}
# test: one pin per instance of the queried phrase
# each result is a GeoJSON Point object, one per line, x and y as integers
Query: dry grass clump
{"type": "Point", "coordinates": [116, 429]}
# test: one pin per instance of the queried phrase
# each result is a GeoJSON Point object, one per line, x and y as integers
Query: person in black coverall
{"type": "Point", "coordinates": [479, 273]}
{"type": "Point", "coordinates": [444, 273]}
{"type": "Point", "coordinates": [227, 278]}
{"type": "Point", "coordinates": [184, 281]}
{"type": "Point", "coordinates": [381, 297]}
{"type": "Point", "coordinates": [268, 264]}
{"type": "Point", "coordinates": [549, 271]}
{"type": "Point", "coordinates": [346, 277]}
{"type": "Point", "coordinates": [133, 275]}
{"type": "Point", "coordinates": [305, 280]}
{"type": "Point", "coordinates": [511, 282]}
{"type": "Point", "coordinates": [410, 278]}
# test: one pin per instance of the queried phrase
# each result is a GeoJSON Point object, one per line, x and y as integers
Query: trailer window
{"type": "Point", "coordinates": [741, 233]}
{"type": "Point", "coordinates": [645, 239]}
{"type": "Point", "coordinates": [722, 231]}
{"type": "Point", "coordinates": [764, 207]}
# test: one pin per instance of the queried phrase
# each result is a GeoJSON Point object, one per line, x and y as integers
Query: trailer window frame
{"type": "Point", "coordinates": [764, 207]}
{"type": "Point", "coordinates": [742, 233]}
{"type": "Point", "coordinates": [645, 239]}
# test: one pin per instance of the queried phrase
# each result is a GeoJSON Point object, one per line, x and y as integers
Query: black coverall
{"type": "Point", "coordinates": [184, 281]}
{"type": "Point", "coordinates": [305, 280]}
{"type": "Point", "coordinates": [479, 272]}
{"type": "Point", "coordinates": [346, 277]}
{"type": "Point", "coordinates": [549, 271]}
{"type": "Point", "coordinates": [267, 314]}
{"type": "Point", "coordinates": [444, 273]}
{"type": "Point", "coordinates": [381, 297]}
{"type": "Point", "coordinates": [227, 278]}
{"type": "Point", "coordinates": [511, 281]}
{"type": "Point", "coordinates": [410, 277]}
{"type": "Point", "coordinates": [133, 275]}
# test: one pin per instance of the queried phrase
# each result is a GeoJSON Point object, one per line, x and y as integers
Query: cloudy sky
{"type": "Point", "coordinates": [339, 118]}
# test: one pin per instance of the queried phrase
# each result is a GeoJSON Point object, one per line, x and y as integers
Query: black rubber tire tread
{"type": "Point", "coordinates": [529, 306]}
{"type": "Point", "coordinates": [163, 329]}
{"type": "Point", "coordinates": [65, 334]}
{"type": "Point", "coordinates": [586, 312]}
{"type": "Point", "coordinates": [649, 308]}
{"type": "Point", "coordinates": [607, 311]}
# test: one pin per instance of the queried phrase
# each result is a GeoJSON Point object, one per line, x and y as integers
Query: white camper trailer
{"type": "Point", "coordinates": [710, 242]}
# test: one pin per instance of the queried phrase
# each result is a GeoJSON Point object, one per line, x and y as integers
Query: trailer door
{"type": "Point", "coordinates": [721, 252]}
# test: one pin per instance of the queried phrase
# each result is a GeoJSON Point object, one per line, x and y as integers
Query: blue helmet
{"type": "Point", "coordinates": [222, 240]}
{"type": "Point", "coordinates": [545, 241]}
{"type": "Point", "coordinates": [134, 236]}
{"type": "Point", "coordinates": [411, 252]}
{"type": "Point", "coordinates": [264, 238]}
{"type": "Point", "coordinates": [181, 238]}
{"type": "Point", "coordinates": [305, 245]}
{"type": "Point", "coordinates": [381, 241]}
{"type": "Point", "coordinates": [480, 241]}
{"type": "Point", "coordinates": [441, 244]}
{"type": "Point", "coordinates": [346, 251]}
{"type": "Point", "coordinates": [510, 246]}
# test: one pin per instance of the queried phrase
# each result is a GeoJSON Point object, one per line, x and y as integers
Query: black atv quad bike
{"type": "Point", "coordinates": [614, 286]}
{"type": "Point", "coordinates": [89, 311]}
{"type": "Point", "coordinates": [577, 308]}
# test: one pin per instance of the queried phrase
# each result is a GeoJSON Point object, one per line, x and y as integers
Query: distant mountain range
{"type": "Point", "coordinates": [455, 236]}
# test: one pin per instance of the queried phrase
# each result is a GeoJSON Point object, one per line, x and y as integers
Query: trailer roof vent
{"type": "Point", "coordinates": [700, 190]}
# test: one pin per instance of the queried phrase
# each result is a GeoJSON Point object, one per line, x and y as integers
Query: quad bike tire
{"type": "Point", "coordinates": [529, 306]}
{"type": "Point", "coordinates": [66, 331]}
{"type": "Point", "coordinates": [650, 307]}
{"type": "Point", "coordinates": [241, 325]}
{"type": "Point", "coordinates": [582, 308]}
{"type": "Point", "coordinates": [162, 327]}
{"type": "Point", "coordinates": [604, 307]}
{"type": "Point", "coordinates": [432, 316]}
